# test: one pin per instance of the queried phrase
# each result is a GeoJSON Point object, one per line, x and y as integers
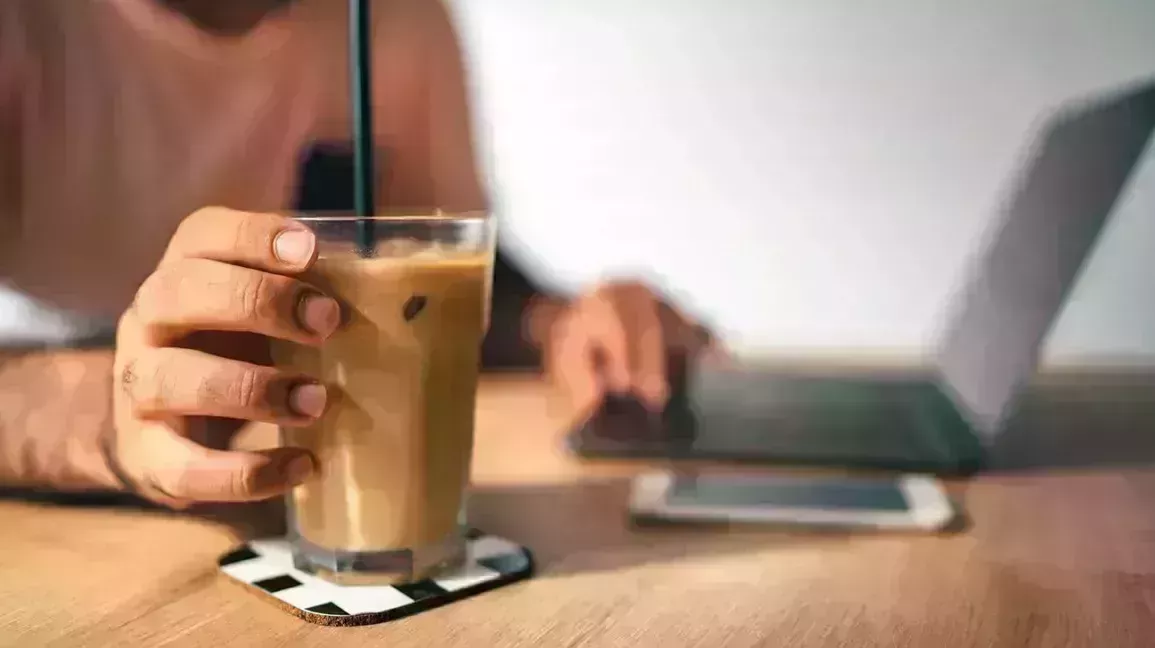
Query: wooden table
{"type": "Point", "coordinates": [1056, 557]}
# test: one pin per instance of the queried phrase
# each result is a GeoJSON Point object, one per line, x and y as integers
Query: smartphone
{"type": "Point", "coordinates": [903, 502]}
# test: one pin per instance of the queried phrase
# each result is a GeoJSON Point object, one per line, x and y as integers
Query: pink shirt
{"type": "Point", "coordinates": [120, 117]}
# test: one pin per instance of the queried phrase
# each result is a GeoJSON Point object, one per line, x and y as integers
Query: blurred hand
{"type": "Point", "coordinates": [192, 360]}
{"type": "Point", "coordinates": [617, 340]}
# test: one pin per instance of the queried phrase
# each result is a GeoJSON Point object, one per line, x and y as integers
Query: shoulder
{"type": "Point", "coordinates": [409, 19]}
{"type": "Point", "coordinates": [413, 13]}
{"type": "Point", "coordinates": [414, 43]}
{"type": "Point", "coordinates": [419, 26]}
{"type": "Point", "coordinates": [404, 31]}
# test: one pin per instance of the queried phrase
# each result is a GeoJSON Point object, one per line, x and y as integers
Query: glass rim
{"type": "Point", "coordinates": [401, 216]}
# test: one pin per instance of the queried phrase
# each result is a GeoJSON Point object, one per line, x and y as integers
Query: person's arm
{"type": "Point", "coordinates": [433, 163]}
{"type": "Point", "coordinates": [54, 405]}
{"type": "Point", "coordinates": [55, 420]}
{"type": "Point", "coordinates": [422, 109]}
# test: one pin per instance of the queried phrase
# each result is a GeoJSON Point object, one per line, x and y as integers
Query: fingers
{"type": "Point", "coordinates": [191, 295]}
{"type": "Point", "coordinates": [571, 365]}
{"type": "Point", "coordinates": [183, 471]}
{"type": "Point", "coordinates": [223, 271]}
{"type": "Point", "coordinates": [599, 320]}
{"type": "Point", "coordinates": [260, 241]}
{"type": "Point", "coordinates": [648, 375]}
{"type": "Point", "coordinates": [611, 340]}
{"type": "Point", "coordinates": [634, 334]}
{"type": "Point", "coordinates": [167, 382]}
{"type": "Point", "coordinates": [625, 323]}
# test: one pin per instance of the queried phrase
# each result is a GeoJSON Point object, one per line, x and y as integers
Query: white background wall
{"type": "Point", "coordinates": [807, 174]}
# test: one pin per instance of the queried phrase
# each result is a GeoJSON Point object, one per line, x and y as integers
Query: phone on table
{"type": "Point", "coordinates": [902, 502]}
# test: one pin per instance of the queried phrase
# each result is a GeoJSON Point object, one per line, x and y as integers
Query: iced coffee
{"type": "Point", "coordinates": [395, 443]}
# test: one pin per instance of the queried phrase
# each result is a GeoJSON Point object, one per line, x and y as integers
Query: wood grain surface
{"type": "Point", "coordinates": [1061, 552]}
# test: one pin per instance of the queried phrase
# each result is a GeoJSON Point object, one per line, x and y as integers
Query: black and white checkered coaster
{"type": "Point", "coordinates": [267, 565]}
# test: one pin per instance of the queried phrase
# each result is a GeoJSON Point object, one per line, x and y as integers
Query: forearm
{"type": "Point", "coordinates": [55, 417]}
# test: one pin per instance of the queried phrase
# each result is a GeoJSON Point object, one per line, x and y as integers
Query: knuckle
{"type": "Point", "coordinates": [149, 382]}
{"type": "Point", "coordinates": [212, 389]}
{"type": "Point", "coordinates": [207, 214]}
{"type": "Point", "coordinates": [134, 378]}
{"type": "Point", "coordinates": [128, 379]}
{"type": "Point", "coordinates": [229, 388]}
{"type": "Point", "coordinates": [243, 480]}
{"type": "Point", "coordinates": [129, 317]}
{"type": "Point", "coordinates": [247, 388]}
{"type": "Point", "coordinates": [210, 231]}
{"type": "Point", "coordinates": [160, 293]}
{"type": "Point", "coordinates": [189, 229]}
{"type": "Point", "coordinates": [180, 481]}
{"type": "Point", "coordinates": [251, 237]}
{"type": "Point", "coordinates": [143, 304]}
{"type": "Point", "coordinates": [253, 295]}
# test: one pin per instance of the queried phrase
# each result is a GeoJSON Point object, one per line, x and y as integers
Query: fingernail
{"type": "Point", "coordinates": [308, 400]}
{"type": "Point", "coordinates": [294, 246]}
{"type": "Point", "coordinates": [298, 470]}
{"type": "Point", "coordinates": [320, 314]}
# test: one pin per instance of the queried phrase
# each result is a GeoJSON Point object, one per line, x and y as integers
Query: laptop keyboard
{"type": "Point", "coordinates": [862, 419]}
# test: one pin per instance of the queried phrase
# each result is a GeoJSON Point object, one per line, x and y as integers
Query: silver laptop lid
{"type": "Point", "coordinates": [1014, 291]}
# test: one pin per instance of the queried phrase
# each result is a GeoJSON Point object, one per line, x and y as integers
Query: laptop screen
{"type": "Point", "coordinates": [1083, 159]}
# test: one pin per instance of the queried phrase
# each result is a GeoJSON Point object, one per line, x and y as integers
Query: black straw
{"type": "Point", "coordinates": [360, 55]}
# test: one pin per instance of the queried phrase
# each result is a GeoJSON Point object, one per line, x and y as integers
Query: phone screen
{"type": "Point", "coordinates": [720, 491]}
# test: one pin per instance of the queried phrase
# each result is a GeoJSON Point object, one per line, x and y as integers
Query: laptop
{"type": "Point", "coordinates": [940, 420]}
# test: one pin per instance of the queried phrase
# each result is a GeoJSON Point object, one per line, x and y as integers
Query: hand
{"type": "Point", "coordinates": [192, 360]}
{"type": "Point", "coordinates": [617, 340]}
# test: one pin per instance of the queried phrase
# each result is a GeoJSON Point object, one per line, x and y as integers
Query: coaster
{"type": "Point", "coordinates": [266, 566]}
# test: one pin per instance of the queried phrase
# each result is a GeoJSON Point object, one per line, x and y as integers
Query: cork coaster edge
{"type": "Point", "coordinates": [416, 606]}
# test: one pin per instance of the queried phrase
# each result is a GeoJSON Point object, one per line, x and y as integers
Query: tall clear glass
{"type": "Point", "coordinates": [395, 442]}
